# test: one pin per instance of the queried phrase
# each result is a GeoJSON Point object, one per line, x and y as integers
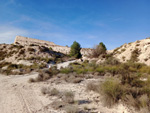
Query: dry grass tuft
{"type": "Point", "coordinates": [91, 87]}
{"type": "Point", "coordinates": [45, 90]}
{"type": "Point", "coordinates": [71, 109]}
{"type": "Point", "coordinates": [68, 97]}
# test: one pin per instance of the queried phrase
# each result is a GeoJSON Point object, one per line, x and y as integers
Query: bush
{"type": "Point", "coordinates": [31, 49]}
{"type": "Point", "coordinates": [54, 92]}
{"type": "Point", "coordinates": [44, 90]}
{"type": "Point", "coordinates": [75, 50]}
{"type": "Point", "coordinates": [22, 51]}
{"type": "Point", "coordinates": [98, 50]}
{"type": "Point", "coordinates": [111, 90]}
{"type": "Point", "coordinates": [91, 87]}
{"type": "Point", "coordinates": [65, 70]}
{"type": "Point", "coordinates": [42, 76]}
{"type": "Point", "coordinates": [44, 49]}
{"type": "Point", "coordinates": [111, 61]}
{"type": "Point", "coordinates": [71, 109]}
{"type": "Point", "coordinates": [134, 55]}
{"type": "Point", "coordinates": [50, 92]}
{"type": "Point", "coordinates": [68, 97]}
{"type": "Point", "coordinates": [50, 48]}
{"type": "Point", "coordinates": [31, 80]}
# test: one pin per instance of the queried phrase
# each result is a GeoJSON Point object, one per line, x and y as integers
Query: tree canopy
{"type": "Point", "coordinates": [75, 50]}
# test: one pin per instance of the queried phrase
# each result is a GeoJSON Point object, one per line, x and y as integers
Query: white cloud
{"type": "Point", "coordinates": [8, 33]}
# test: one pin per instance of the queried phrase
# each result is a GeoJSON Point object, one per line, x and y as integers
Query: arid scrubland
{"type": "Point", "coordinates": [102, 81]}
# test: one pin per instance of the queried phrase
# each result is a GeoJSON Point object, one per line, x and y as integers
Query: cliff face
{"type": "Point", "coordinates": [28, 41]}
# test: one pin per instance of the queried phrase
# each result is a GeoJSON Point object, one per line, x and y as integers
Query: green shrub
{"type": "Point", "coordinates": [111, 61]}
{"type": "Point", "coordinates": [111, 90]}
{"type": "Point", "coordinates": [66, 70]}
{"type": "Point", "coordinates": [50, 48]}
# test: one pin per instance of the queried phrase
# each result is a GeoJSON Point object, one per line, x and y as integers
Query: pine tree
{"type": "Point", "coordinates": [75, 50]}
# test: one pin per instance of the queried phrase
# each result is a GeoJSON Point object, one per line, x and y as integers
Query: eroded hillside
{"type": "Point", "coordinates": [138, 51]}
{"type": "Point", "coordinates": [28, 57]}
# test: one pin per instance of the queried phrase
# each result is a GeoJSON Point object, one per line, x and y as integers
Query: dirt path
{"type": "Point", "coordinates": [18, 96]}
{"type": "Point", "coordinates": [65, 64]}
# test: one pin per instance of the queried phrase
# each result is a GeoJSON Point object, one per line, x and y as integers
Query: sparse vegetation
{"type": "Point", "coordinates": [44, 49]}
{"type": "Point", "coordinates": [127, 80]}
{"type": "Point", "coordinates": [134, 55]}
{"type": "Point", "coordinates": [49, 91]}
{"type": "Point", "coordinates": [122, 50]}
{"type": "Point", "coordinates": [22, 51]}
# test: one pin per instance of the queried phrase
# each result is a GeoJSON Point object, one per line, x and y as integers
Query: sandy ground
{"type": "Point", "coordinates": [19, 96]}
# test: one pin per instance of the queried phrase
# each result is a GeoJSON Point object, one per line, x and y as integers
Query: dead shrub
{"type": "Point", "coordinates": [68, 97]}
{"type": "Point", "coordinates": [91, 87]}
{"type": "Point", "coordinates": [58, 104]}
{"type": "Point", "coordinates": [45, 90]}
{"type": "Point", "coordinates": [31, 49]}
{"type": "Point", "coordinates": [54, 92]}
{"type": "Point", "coordinates": [143, 101]}
{"type": "Point", "coordinates": [98, 50]}
{"type": "Point", "coordinates": [71, 109]}
{"type": "Point", "coordinates": [43, 76]}
{"type": "Point", "coordinates": [134, 55]}
{"type": "Point", "coordinates": [31, 80]}
{"type": "Point", "coordinates": [77, 80]}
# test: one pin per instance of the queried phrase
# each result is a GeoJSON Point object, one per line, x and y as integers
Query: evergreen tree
{"type": "Point", "coordinates": [75, 50]}
{"type": "Point", "coordinates": [103, 47]}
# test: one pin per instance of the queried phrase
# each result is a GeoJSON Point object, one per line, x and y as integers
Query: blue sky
{"type": "Point", "coordinates": [113, 22]}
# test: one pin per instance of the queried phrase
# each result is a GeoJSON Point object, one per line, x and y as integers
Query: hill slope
{"type": "Point", "coordinates": [138, 51]}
